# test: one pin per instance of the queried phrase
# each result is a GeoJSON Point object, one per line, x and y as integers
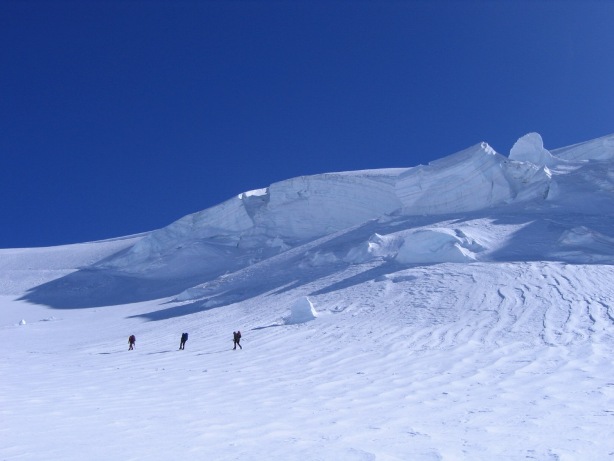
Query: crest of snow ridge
{"type": "Point", "coordinates": [257, 224]}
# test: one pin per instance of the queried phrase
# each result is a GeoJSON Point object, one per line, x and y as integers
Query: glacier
{"type": "Point", "coordinates": [309, 207]}
{"type": "Point", "coordinates": [391, 203]}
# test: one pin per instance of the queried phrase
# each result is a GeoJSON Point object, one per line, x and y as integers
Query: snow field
{"type": "Point", "coordinates": [420, 365]}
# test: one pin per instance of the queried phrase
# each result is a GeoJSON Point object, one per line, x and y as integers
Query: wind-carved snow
{"type": "Point", "coordinates": [530, 148]}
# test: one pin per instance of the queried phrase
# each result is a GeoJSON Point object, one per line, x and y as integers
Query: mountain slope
{"type": "Point", "coordinates": [459, 310]}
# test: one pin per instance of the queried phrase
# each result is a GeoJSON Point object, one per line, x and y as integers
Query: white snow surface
{"type": "Point", "coordinates": [461, 310]}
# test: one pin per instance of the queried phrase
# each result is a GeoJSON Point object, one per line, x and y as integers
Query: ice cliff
{"type": "Point", "coordinates": [261, 223]}
{"type": "Point", "coordinates": [474, 205]}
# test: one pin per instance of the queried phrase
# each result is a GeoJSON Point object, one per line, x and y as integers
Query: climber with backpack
{"type": "Point", "coordinates": [236, 337]}
{"type": "Point", "coordinates": [184, 338]}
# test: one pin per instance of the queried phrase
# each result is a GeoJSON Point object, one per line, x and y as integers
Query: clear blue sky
{"type": "Point", "coordinates": [118, 117]}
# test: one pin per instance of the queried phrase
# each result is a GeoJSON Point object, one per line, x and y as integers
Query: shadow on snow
{"type": "Point", "coordinates": [535, 239]}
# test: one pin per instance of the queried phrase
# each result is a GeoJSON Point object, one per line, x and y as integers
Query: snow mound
{"type": "Point", "coordinates": [378, 246]}
{"type": "Point", "coordinates": [584, 237]}
{"type": "Point", "coordinates": [319, 259]}
{"type": "Point", "coordinates": [302, 311]}
{"type": "Point", "coordinates": [581, 244]}
{"type": "Point", "coordinates": [437, 246]}
{"type": "Point", "coordinates": [530, 148]}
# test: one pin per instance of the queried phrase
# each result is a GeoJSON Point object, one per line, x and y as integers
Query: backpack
{"type": "Point", "coordinates": [184, 337]}
{"type": "Point", "coordinates": [131, 339]}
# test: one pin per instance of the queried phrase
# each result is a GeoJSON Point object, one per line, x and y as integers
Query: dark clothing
{"type": "Point", "coordinates": [184, 338]}
{"type": "Point", "coordinates": [236, 337]}
{"type": "Point", "coordinates": [131, 341]}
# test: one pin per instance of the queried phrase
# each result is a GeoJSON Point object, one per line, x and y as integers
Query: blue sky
{"type": "Point", "coordinates": [118, 117]}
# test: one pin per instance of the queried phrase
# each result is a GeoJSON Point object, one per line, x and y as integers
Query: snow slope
{"type": "Point", "coordinates": [453, 311]}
